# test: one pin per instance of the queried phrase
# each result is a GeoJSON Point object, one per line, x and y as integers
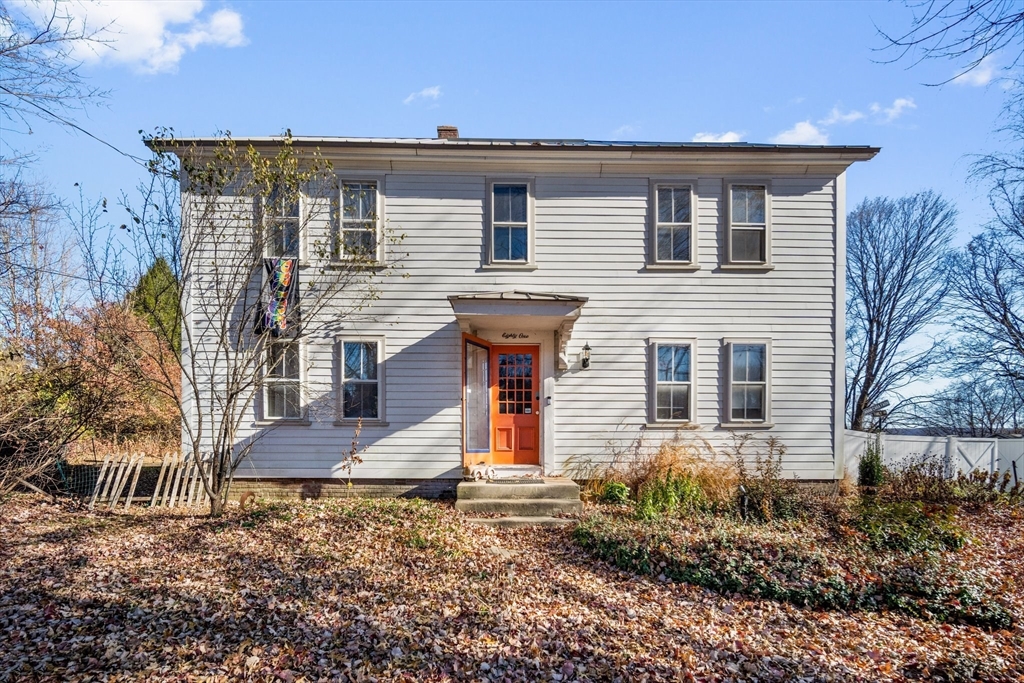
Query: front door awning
{"type": "Point", "coordinates": [526, 310]}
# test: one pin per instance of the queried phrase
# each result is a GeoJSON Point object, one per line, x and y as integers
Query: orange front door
{"type": "Point", "coordinates": [515, 394]}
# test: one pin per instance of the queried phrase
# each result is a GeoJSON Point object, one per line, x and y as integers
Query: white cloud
{"type": "Point", "coordinates": [979, 75]}
{"type": "Point", "coordinates": [431, 93]}
{"type": "Point", "coordinates": [803, 133]}
{"type": "Point", "coordinates": [728, 136]}
{"type": "Point", "coordinates": [837, 116]}
{"type": "Point", "coordinates": [623, 130]}
{"type": "Point", "coordinates": [899, 106]}
{"type": "Point", "coordinates": [152, 37]}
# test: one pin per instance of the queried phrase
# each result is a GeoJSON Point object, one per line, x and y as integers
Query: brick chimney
{"type": "Point", "coordinates": [448, 132]}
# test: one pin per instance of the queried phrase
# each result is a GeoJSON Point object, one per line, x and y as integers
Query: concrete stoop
{"type": "Point", "coordinates": [520, 504]}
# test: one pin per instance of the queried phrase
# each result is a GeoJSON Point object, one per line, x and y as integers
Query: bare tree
{"type": "Point", "coordinates": [39, 73]}
{"type": "Point", "coordinates": [989, 273]}
{"type": "Point", "coordinates": [247, 295]}
{"type": "Point", "coordinates": [896, 281]}
{"type": "Point", "coordinates": [975, 406]}
{"type": "Point", "coordinates": [960, 30]}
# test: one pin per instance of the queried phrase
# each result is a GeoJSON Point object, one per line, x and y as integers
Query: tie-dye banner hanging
{"type": "Point", "coordinates": [282, 283]}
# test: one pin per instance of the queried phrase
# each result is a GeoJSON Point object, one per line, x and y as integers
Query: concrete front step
{"type": "Point", "coordinates": [521, 507]}
{"type": "Point", "coordinates": [549, 489]}
{"type": "Point", "coordinates": [517, 522]}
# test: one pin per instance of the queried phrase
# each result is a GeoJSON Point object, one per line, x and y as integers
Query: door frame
{"type": "Point", "coordinates": [545, 339]}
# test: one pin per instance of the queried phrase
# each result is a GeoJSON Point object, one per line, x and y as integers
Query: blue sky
{"type": "Point", "coordinates": [754, 71]}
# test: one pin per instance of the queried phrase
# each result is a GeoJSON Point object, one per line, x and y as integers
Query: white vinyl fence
{"type": "Point", "coordinates": [959, 454]}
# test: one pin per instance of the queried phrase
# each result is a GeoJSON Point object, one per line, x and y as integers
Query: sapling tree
{"type": "Point", "coordinates": [261, 266]}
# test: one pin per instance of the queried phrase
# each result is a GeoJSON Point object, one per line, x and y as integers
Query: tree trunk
{"type": "Point", "coordinates": [216, 506]}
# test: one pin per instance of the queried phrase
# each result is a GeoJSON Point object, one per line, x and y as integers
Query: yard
{"type": "Point", "coordinates": [405, 590]}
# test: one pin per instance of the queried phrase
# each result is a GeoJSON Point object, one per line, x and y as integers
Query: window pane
{"type": "Point", "coordinates": [748, 245]}
{"type": "Point", "coordinates": [360, 360]}
{"type": "Point", "coordinates": [283, 361]}
{"type": "Point", "coordinates": [754, 407]}
{"type": "Point", "coordinates": [664, 244]}
{"type": "Point", "coordinates": [502, 203]}
{"type": "Point", "coordinates": [681, 213]}
{"type": "Point", "coordinates": [517, 198]}
{"type": "Point", "coordinates": [360, 201]}
{"type": "Point", "coordinates": [283, 401]}
{"type": "Point", "coordinates": [283, 239]}
{"type": "Point", "coordinates": [739, 363]}
{"type": "Point", "coordinates": [281, 202]}
{"type": "Point", "coordinates": [501, 244]}
{"type": "Point", "coordinates": [664, 205]}
{"type": "Point", "coordinates": [664, 402]}
{"type": "Point", "coordinates": [739, 204]}
{"type": "Point", "coordinates": [360, 400]}
{"type": "Point", "coordinates": [665, 358]}
{"type": "Point", "coordinates": [519, 247]}
{"type": "Point", "coordinates": [681, 402]}
{"type": "Point", "coordinates": [682, 364]}
{"type": "Point", "coordinates": [739, 401]}
{"type": "Point", "coordinates": [755, 363]}
{"type": "Point", "coordinates": [360, 243]}
{"type": "Point", "coordinates": [680, 244]}
{"type": "Point", "coordinates": [755, 205]}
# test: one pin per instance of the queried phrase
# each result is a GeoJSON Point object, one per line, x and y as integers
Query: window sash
{"type": "Point", "coordinates": [282, 382]}
{"type": "Point", "coordinates": [673, 386]}
{"type": "Point", "coordinates": [746, 201]}
{"type": "Point", "coordinates": [510, 219]}
{"type": "Point", "coordinates": [748, 381]}
{"type": "Point", "coordinates": [357, 233]}
{"type": "Point", "coordinates": [361, 380]}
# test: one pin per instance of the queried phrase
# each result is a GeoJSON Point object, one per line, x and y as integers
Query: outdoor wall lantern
{"type": "Point", "coordinates": [585, 357]}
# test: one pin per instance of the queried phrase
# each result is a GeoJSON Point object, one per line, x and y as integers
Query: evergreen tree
{"type": "Point", "coordinates": [155, 299]}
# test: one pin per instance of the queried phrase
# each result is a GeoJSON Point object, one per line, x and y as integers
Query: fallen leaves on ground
{"type": "Point", "coordinates": [398, 590]}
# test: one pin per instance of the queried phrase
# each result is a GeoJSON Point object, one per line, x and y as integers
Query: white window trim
{"type": "Point", "coordinates": [727, 421]}
{"type": "Point", "coordinates": [339, 352]}
{"type": "Point", "coordinates": [727, 262]}
{"type": "Point", "coordinates": [264, 404]}
{"type": "Point", "coordinates": [337, 223]}
{"type": "Point", "coordinates": [652, 373]}
{"type": "Point", "coordinates": [531, 225]}
{"type": "Point", "coordinates": [653, 263]}
{"type": "Point", "coordinates": [299, 227]}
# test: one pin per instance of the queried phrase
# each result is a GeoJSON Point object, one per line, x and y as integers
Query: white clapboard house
{"type": "Point", "coordinates": [561, 299]}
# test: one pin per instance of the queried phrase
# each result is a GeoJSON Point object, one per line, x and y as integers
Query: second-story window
{"type": "Point", "coordinates": [358, 237]}
{"type": "Point", "coordinates": [510, 223]}
{"type": "Point", "coordinates": [281, 220]}
{"type": "Point", "coordinates": [673, 223]}
{"type": "Point", "coordinates": [748, 224]}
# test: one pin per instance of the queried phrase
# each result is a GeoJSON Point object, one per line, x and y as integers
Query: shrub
{"type": "Point", "coordinates": [671, 494]}
{"type": "Point", "coordinates": [790, 564]}
{"type": "Point", "coordinates": [614, 493]}
{"type": "Point", "coordinates": [922, 479]}
{"type": "Point", "coordinates": [871, 472]}
{"type": "Point", "coordinates": [765, 494]}
{"type": "Point", "coordinates": [909, 526]}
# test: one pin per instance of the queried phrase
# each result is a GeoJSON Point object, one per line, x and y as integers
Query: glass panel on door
{"type": "Point", "coordinates": [478, 401]}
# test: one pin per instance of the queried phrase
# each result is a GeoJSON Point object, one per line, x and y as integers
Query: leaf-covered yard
{"type": "Point", "coordinates": [405, 590]}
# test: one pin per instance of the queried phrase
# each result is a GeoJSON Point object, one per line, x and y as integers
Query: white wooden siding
{"type": "Point", "coordinates": [591, 240]}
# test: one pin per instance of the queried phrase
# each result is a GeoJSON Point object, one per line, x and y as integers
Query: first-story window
{"type": "Point", "coordinates": [748, 381]}
{"type": "Point", "coordinates": [673, 381]}
{"type": "Point", "coordinates": [749, 224]}
{"type": "Point", "coordinates": [282, 382]}
{"type": "Point", "coordinates": [360, 221]}
{"type": "Point", "coordinates": [362, 375]}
